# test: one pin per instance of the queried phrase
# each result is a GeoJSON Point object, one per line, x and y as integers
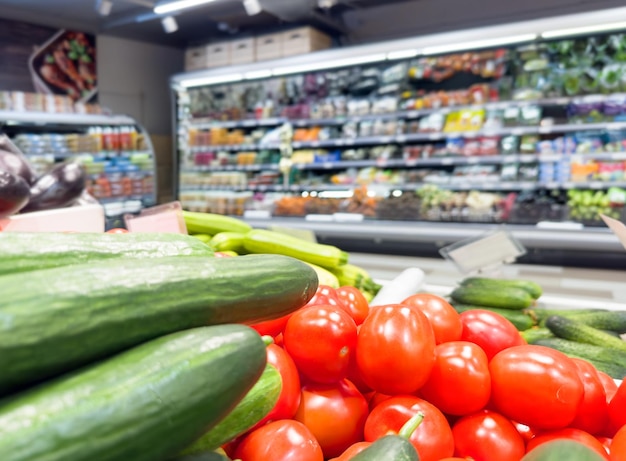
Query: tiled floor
{"type": "Point", "coordinates": [563, 287]}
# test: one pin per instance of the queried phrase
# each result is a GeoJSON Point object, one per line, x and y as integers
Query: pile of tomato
{"type": "Point", "coordinates": [353, 373]}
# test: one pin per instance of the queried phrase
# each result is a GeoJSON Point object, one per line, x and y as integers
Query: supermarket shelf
{"type": "Point", "coordinates": [96, 155]}
{"type": "Point", "coordinates": [233, 147]}
{"type": "Point", "coordinates": [46, 118]}
{"type": "Point", "coordinates": [253, 167]}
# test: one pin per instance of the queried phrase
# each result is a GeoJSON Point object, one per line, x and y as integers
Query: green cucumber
{"type": "Point", "coordinates": [574, 330]}
{"type": "Point", "coordinates": [393, 447]}
{"type": "Point", "coordinates": [533, 288]}
{"type": "Point", "coordinates": [266, 241]}
{"type": "Point", "coordinates": [210, 456]}
{"type": "Point", "coordinates": [256, 404]}
{"type": "Point", "coordinates": [54, 320]}
{"type": "Point", "coordinates": [145, 404]}
{"type": "Point", "coordinates": [519, 318]}
{"type": "Point", "coordinates": [533, 335]}
{"type": "Point", "coordinates": [27, 251]}
{"type": "Point", "coordinates": [540, 314]}
{"type": "Point", "coordinates": [561, 450]}
{"type": "Point", "coordinates": [505, 298]}
{"type": "Point", "coordinates": [213, 223]}
{"type": "Point", "coordinates": [603, 319]}
{"type": "Point", "coordinates": [228, 241]}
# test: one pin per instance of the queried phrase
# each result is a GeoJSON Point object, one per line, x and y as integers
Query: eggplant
{"type": "Point", "coordinates": [58, 188]}
{"type": "Point", "coordinates": [16, 164]}
{"type": "Point", "coordinates": [14, 193]}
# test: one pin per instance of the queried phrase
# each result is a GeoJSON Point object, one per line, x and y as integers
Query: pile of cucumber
{"type": "Point", "coordinates": [132, 346]}
{"type": "Point", "coordinates": [590, 334]}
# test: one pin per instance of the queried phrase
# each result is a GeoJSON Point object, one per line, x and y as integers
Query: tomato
{"type": "Point", "coordinates": [377, 399]}
{"type": "Point", "coordinates": [289, 397]}
{"type": "Point", "coordinates": [325, 295]}
{"type": "Point", "coordinates": [535, 385]}
{"type": "Point", "coordinates": [352, 451]}
{"type": "Point", "coordinates": [334, 413]}
{"type": "Point", "coordinates": [525, 431]}
{"type": "Point", "coordinates": [617, 408]}
{"type": "Point", "coordinates": [285, 440]}
{"type": "Point", "coordinates": [354, 375]}
{"type": "Point", "coordinates": [117, 230]}
{"type": "Point", "coordinates": [320, 339]}
{"type": "Point", "coordinates": [618, 446]}
{"type": "Point", "coordinates": [489, 330]}
{"type": "Point", "coordinates": [459, 383]}
{"type": "Point", "coordinates": [272, 327]}
{"type": "Point", "coordinates": [593, 411]}
{"type": "Point", "coordinates": [487, 435]}
{"type": "Point", "coordinates": [432, 438]}
{"type": "Point", "coordinates": [609, 384]}
{"type": "Point", "coordinates": [443, 318]}
{"type": "Point", "coordinates": [395, 349]}
{"type": "Point", "coordinates": [353, 302]}
{"type": "Point", "coordinates": [570, 434]}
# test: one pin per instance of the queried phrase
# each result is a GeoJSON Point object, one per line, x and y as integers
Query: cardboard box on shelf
{"type": "Point", "coordinates": [218, 54]}
{"type": "Point", "coordinates": [304, 40]}
{"type": "Point", "coordinates": [269, 46]}
{"type": "Point", "coordinates": [242, 51]}
{"type": "Point", "coordinates": [196, 58]}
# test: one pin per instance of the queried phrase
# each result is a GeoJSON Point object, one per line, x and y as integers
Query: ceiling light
{"type": "Point", "coordinates": [168, 7]}
{"type": "Point", "coordinates": [326, 4]}
{"type": "Point", "coordinates": [584, 30]}
{"type": "Point", "coordinates": [252, 7]}
{"type": "Point", "coordinates": [487, 43]}
{"type": "Point", "coordinates": [402, 54]}
{"type": "Point", "coordinates": [104, 7]}
{"type": "Point", "coordinates": [201, 81]}
{"type": "Point", "coordinates": [321, 65]}
{"type": "Point", "coordinates": [256, 74]}
{"type": "Point", "coordinates": [169, 24]}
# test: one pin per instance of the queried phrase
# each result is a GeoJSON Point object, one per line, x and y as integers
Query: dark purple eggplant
{"type": "Point", "coordinates": [14, 193]}
{"type": "Point", "coordinates": [16, 164]}
{"type": "Point", "coordinates": [58, 188]}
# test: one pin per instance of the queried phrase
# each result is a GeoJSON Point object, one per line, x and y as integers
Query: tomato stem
{"type": "Point", "coordinates": [412, 424]}
{"type": "Point", "coordinates": [267, 339]}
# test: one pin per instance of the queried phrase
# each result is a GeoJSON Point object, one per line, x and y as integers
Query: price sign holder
{"type": "Point", "coordinates": [166, 218]}
{"type": "Point", "coordinates": [485, 252]}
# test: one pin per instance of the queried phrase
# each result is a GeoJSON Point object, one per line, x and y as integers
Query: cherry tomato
{"type": "Point", "coordinates": [352, 451]}
{"type": "Point", "coordinates": [489, 330]}
{"type": "Point", "coordinates": [320, 339]}
{"type": "Point", "coordinates": [433, 437]}
{"type": "Point", "coordinates": [117, 230]}
{"type": "Point", "coordinates": [569, 433]}
{"type": "Point", "coordinates": [272, 327]}
{"type": "Point", "coordinates": [289, 397]}
{"type": "Point", "coordinates": [325, 295]}
{"type": "Point", "coordinates": [443, 318]}
{"type": "Point", "coordinates": [617, 409]}
{"type": "Point", "coordinates": [353, 302]}
{"type": "Point", "coordinates": [334, 413]}
{"type": "Point", "coordinates": [285, 440]}
{"type": "Point", "coordinates": [395, 349]}
{"type": "Point", "coordinates": [487, 435]}
{"type": "Point", "coordinates": [609, 384]}
{"type": "Point", "coordinates": [618, 446]}
{"type": "Point", "coordinates": [593, 411]}
{"type": "Point", "coordinates": [459, 383]}
{"type": "Point", "coordinates": [535, 385]}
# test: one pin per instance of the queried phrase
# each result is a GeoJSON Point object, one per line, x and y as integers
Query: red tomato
{"type": "Point", "coordinates": [617, 408]}
{"type": "Point", "coordinates": [453, 458]}
{"type": "Point", "coordinates": [117, 230]}
{"type": "Point", "coordinates": [489, 330]}
{"type": "Point", "coordinates": [320, 339]}
{"type": "Point", "coordinates": [432, 438]}
{"type": "Point", "coordinates": [459, 383]}
{"type": "Point", "coordinates": [486, 436]}
{"type": "Point", "coordinates": [525, 431]}
{"type": "Point", "coordinates": [618, 446]}
{"type": "Point", "coordinates": [325, 295]}
{"type": "Point", "coordinates": [353, 302]}
{"type": "Point", "coordinates": [334, 413]}
{"type": "Point", "coordinates": [377, 399]}
{"type": "Point", "coordinates": [593, 411]}
{"type": "Point", "coordinates": [354, 375]}
{"type": "Point", "coordinates": [272, 327]}
{"type": "Point", "coordinates": [570, 434]}
{"type": "Point", "coordinates": [285, 440]}
{"type": "Point", "coordinates": [352, 451]}
{"type": "Point", "coordinates": [443, 318]}
{"type": "Point", "coordinates": [535, 385]}
{"type": "Point", "coordinates": [289, 397]}
{"type": "Point", "coordinates": [395, 349]}
{"type": "Point", "coordinates": [609, 384]}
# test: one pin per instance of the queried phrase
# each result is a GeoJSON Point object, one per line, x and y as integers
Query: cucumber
{"type": "Point", "coordinates": [54, 320]}
{"type": "Point", "coordinates": [256, 404]}
{"type": "Point", "coordinates": [562, 450]}
{"type": "Point", "coordinates": [533, 335]}
{"type": "Point", "coordinates": [541, 314]}
{"type": "Point", "coordinates": [519, 318]}
{"type": "Point", "coordinates": [577, 331]}
{"type": "Point", "coordinates": [603, 319]}
{"type": "Point", "coordinates": [144, 404]}
{"type": "Point", "coordinates": [27, 251]}
{"type": "Point", "coordinates": [213, 223]}
{"type": "Point", "coordinates": [534, 289]}
{"type": "Point", "coordinates": [228, 241]}
{"type": "Point", "coordinates": [266, 241]}
{"type": "Point", "coordinates": [210, 456]}
{"type": "Point", "coordinates": [586, 351]}
{"type": "Point", "coordinates": [506, 298]}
